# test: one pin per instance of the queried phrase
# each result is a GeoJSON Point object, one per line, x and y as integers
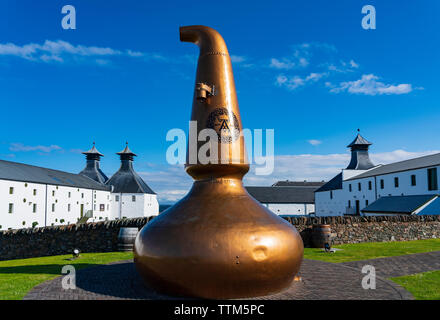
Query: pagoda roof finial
{"type": "Point", "coordinates": [126, 152]}
{"type": "Point", "coordinates": [359, 141]}
{"type": "Point", "coordinates": [93, 151]}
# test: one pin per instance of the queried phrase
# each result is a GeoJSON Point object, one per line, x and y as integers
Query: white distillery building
{"type": "Point", "coordinates": [34, 196]}
{"type": "Point", "coordinates": [288, 198]}
{"type": "Point", "coordinates": [405, 187]}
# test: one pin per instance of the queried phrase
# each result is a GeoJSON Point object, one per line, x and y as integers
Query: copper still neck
{"type": "Point", "coordinates": [215, 107]}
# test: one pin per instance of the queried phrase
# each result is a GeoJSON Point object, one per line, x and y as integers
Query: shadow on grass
{"type": "Point", "coordinates": [54, 269]}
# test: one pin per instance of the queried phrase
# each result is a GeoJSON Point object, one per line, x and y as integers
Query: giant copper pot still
{"type": "Point", "coordinates": [218, 241]}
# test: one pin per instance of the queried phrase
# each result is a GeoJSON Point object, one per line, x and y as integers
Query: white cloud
{"type": "Point", "coordinates": [284, 64]}
{"type": "Point", "coordinates": [369, 85]}
{"type": "Point", "coordinates": [295, 82]}
{"type": "Point", "coordinates": [21, 147]}
{"type": "Point", "coordinates": [354, 64]}
{"type": "Point", "coordinates": [314, 142]}
{"type": "Point", "coordinates": [59, 50]}
{"type": "Point", "coordinates": [237, 59]}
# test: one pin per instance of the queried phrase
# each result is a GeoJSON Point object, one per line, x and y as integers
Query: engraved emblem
{"type": "Point", "coordinates": [225, 124]}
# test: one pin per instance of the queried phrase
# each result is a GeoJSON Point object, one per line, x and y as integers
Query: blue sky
{"type": "Point", "coordinates": [304, 68]}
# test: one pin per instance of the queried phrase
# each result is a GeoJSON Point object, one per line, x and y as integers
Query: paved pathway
{"type": "Point", "coordinates": [401, 265]}
{"type": "Point", "coordinates": [320, 280]}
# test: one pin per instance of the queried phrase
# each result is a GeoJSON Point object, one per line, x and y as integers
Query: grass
{"type": "Point", "coordinates": [19, 276]}
{"type": "Point", "coordinates": [372, 250]}
{"type": "Point", "coordinates": [423, 286]}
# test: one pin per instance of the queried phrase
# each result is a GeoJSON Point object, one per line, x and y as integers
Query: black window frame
{"type": "Point", "coordinates": [432, 179]}
{"type": "Point", "coordinates": [413, 180]}
{"type": "Point", "coordinates": [396, 182]}
{"type": "Point", "coordinates": [382, 184]}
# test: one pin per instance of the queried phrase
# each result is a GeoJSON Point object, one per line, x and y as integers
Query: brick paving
{"type": "Point", "coordinates": [401, 265]}
{"type": "Point", "coordinates": [320, 281]}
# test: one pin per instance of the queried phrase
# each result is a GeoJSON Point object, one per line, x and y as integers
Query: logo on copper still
{"type": "Point", "coordinates": [225, 124]}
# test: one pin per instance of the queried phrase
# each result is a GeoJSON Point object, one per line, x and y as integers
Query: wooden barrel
{"type": "Point", "coordinates": [321, 234]}
{"type": "Point", "coordinates": [126, 238]}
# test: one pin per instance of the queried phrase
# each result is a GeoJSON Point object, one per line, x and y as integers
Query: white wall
{"type": "Point", "coordinates": [325, 206]}
{"type": "Point", "coordinates": [51, 211]}
{"type": "Point", "coordinates": [23, 200]}
{"type": "Point", "coordinates": [290, 208]}
{"type": "Point", "coordinates": [145, 205]}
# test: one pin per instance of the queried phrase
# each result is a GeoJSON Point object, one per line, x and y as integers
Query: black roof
{"type": "Point", "coordinates": [27, 173]}
{"type": "Point", "coordinates": [333, 184]}
{"type": "Point", "coordinates": [93, 150]}
{"type": "Point", "coordinates": [417, 163]}
{"type": "Point", "coordinates": [126, 180]}
{"type": "Point", "coordinates": [398, 204]}
{"type": "Point", "coordinates": [359, 141]}
{"type": "Point", "coordinates": [287, 194]}
{"type": "Point", "coordinates": [288, 183]}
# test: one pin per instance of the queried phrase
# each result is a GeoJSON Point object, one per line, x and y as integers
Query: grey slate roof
{"type": "Point", "coordinates": [288, 183]}
{"type": "Point", "coordinates": [359, 141]}
{"type": "Point", "coordinates": [334, 184]}
{"type": "Point", "coordinates": [417, 163]}
{"type": "Point", "coordinates": [289, 194]}
{"type": "Point", "coordinates": [126, 180]}
{"type": "Point", "coordinates": [93, 150]}
{"type": "Point", "coordinates": [23, 172]}
{"type": "Point", "coordinates": [398, 204]}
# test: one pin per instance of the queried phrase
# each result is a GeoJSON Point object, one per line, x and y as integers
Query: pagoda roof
{"type": "Point", "coordinates": [359, 141]}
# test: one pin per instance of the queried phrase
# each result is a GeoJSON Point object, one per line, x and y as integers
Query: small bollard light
{"type": "Point", "coordinates": [75, 253]}
{"type": "Point", "coordinates": [327, 247]}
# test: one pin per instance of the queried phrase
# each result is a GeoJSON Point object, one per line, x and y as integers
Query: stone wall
{"type": "Point", "coordinates": [103, 236]}
{"type": "Point", "coordinates": [371, 229]}
{"type": "Point", "coordinates": [48, 241]}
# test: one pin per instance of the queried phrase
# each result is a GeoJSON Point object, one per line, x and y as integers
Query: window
{"type": "Point", "coordinates": [68, 194]}
{"type": "Point", "coordinates": [94, 195]}
{"type": "Point", "coordinates": [349, 187]}
{"type": "Point", "coordinates": [35, 192]}
{"type": "Point", "coordinates": [94, 207]}
{"type": "Point", "coordinates": [101, 207]}
{"type": "Point", "coordinates": [34, 208]}
{"type": "Point", "coordinates": [68, 207]}
{"type": "Point", "coordinates": [370, 185]}
{"type": "Point", "coordinates": [25, 185]}
{"type": "Point", "coordinates": [359, 186]}
{"type": "Point", "coordinates": [53, 207]}
{"type": "Point", "coordinates": [116, 198]}
{"type": "Point", "coordinates": [331, 194]}
{"type": "Point", "coordinates": [382, 184]}
{"type": "Point", "coordinates": [53, 193]}
{"type": "Point", "coordinates": [11, 190]}
{"type": "Point", "coordinates": [11, 208]}
{"type": "Point", "coordinates": [413, 180]}
{"type": "Point", "coordinates": [396, 182]}
{"type": "Point", "coordinates": [432, 179]}
{"type": "Point", "coordinates": [366, 203]}
{"type": "Point", "coordinates": [133, 198]}
{"type": "Point", "coordinates": [82, 195]}
{"type": "Point", "coordinates": [349, 203]}
{"type": "Point", "coordinates": [108, 206]}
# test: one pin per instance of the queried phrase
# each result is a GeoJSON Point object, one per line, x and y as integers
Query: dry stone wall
{"type": "Point", "coordinates": [103, 236]}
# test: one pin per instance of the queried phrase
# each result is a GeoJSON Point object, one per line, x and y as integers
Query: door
{"type": "Point", "coordinates": [82, 211]}
{"type": "Point", "coordinates": [357, 208]}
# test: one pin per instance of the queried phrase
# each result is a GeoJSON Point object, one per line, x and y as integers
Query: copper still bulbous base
{"type": "Point", "coordinates": [218, 243]}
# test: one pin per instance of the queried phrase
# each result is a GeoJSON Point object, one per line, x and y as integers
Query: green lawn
{"type": "Point", "coordinates": [423, 286]}
{"type": "Point", "coordinates": [371, 250]}
{"type": "Point", "coordinates": [19, 276]}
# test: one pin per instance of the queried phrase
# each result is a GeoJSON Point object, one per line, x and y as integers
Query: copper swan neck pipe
{"type": "Point", "coordinates": [208, 39]}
